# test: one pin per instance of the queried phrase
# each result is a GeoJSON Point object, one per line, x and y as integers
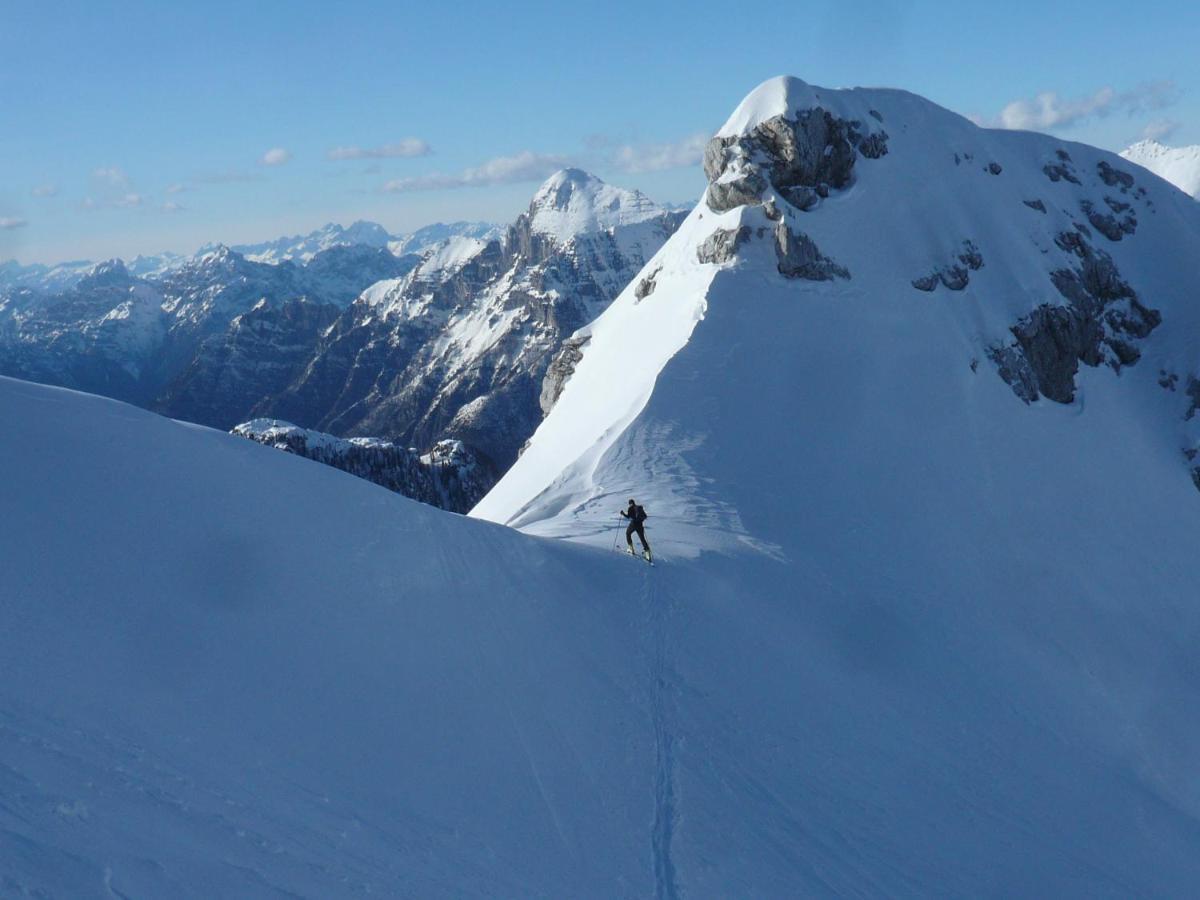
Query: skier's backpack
{"type": "Point", "coordinates": [639, 515]}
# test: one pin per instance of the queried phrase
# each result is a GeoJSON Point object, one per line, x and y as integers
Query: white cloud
{"type": "Point", "coordinates": [659, 157]}
{"type": "Point", "coordinates": [276, 156]}
{"type": "Point", "coordinates": [9, 223]}
{"type": "Point", "coordinates": [112, 175]}
{"type": "Point", "coordinates": [525, 166]}
{"type": "Point", "coordinates": [404, 149]}
{"type": "Point", "coordinates": [125, 201]}
{"type": "Point", "coordinates": [1160, 129]}
{"type": "Point", "coordinates": [171, 206]}
{"type": "Point", "coordinates": [45, 190]}
{"type": "Point", "coordinates": [1048, 110]}
{"type": "Point", "coordinates": [176, 188]}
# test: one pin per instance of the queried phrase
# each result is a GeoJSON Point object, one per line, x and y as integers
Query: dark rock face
{"type": "Point", "coordinates": [1062, 170]}
{"type": "Point", "coordinates": [722, 245]}
{"type": "Point", "coordinates": [802, 158]}
{"type": "Point", "coordinates": [1113, 177]}
{"type": "Point", "coordinates": [450, 476]}
{"type": "Point", "coordinates": [560, 370]}
{"type": "Point", "coordinates": [1036, 204]}
{"type": "Point", "coordinates": [260, 353]}
{"type": "Point", "coordinates": [954, 276]}
{"type": "Point", "coordinates": [799, 257]}
{"type": "Point", "coordinates": [1100, 323]}
{"type": "Point", "coordinates": [1193, 391]}
{"type": "Point", "coordinates": [1108, 224]}
{"type": "Point", "coordinates": [994, 168]}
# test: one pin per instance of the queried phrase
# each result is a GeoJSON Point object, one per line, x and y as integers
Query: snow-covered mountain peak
{"type": "Point", "coordinates": [840, 226]}
{"type": "Point", "coordinates": [105, 274]}
{"type": "Point", "coordinates": [572, 202]}
{"type": "Point", "coordinates": [786, 96]}
{"type": "Point", "coordinates": [1178, 165]}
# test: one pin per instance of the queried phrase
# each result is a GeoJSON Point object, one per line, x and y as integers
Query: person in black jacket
{"type": "Point", "coordinates": [637, 518]}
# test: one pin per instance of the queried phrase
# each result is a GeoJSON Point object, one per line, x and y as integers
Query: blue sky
{"type": "Point", "coordinates": [137, 127]}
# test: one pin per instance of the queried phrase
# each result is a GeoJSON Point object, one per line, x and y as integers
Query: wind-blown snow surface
{"type": "Point", "coordinates": [1178, 165]}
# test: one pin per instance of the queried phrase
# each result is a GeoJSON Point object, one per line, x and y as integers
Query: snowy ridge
{"type": "Point", "coordinates": [1178, 165]}
{"type": "Point", "coordinates": [449, 476]}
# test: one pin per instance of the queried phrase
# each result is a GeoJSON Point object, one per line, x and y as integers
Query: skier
{"type": "Point", "coordinates": [637, 517]}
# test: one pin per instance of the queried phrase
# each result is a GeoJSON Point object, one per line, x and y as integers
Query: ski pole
{"type": "Point", "coordinates": [617, 533]}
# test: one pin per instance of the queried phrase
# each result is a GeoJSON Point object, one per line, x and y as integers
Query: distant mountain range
{"type": "Point", "coordinates": [295, 248]}
{"type": "Point", "coordinates": [444, 334]}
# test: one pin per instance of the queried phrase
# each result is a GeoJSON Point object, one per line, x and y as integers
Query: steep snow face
{"type": "Point", "coordinates": [864, 232]}
{"type": "Point", "coordinates": [573, 202]}
{"type": "Point", "coordinates": [1178, 165]}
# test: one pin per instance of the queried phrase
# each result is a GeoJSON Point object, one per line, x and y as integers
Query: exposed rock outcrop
{"type": "Point", "coordinates": [799, 257]}
{"type": "Point", "coordinates": [954, 276]}
{"type": "Point", "coordinates": [722, 245]}
{"type": "Point", "coordinates": [560, 370]}
{"type": "Point", "coordinates": [1100, 323]}
{"type": "Point", "coordinates": [803, 159]}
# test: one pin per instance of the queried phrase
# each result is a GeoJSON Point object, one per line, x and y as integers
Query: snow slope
{"type": "Point", "coordinates": [1178, 165]}
{"type": "Point", "coordinates": [228, 671]}
{"type": "Point", "coordinates": [942, 641]}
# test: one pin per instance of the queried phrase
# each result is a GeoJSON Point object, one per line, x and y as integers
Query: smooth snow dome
{"type": "Point", "coordinates": [573, 202]}
{"type": "Point", "coordinates": [907, 635]}
{"type": "Point", "coordinates": [1178, 165]}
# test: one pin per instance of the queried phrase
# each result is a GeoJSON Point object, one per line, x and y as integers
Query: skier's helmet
{"type": "Point", "coordinates": [632, 502]}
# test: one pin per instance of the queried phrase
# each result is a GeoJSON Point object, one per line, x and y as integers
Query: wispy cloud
{"type": "Point", "coordinates": [407, 148]}
{"type": "Point", "coordinates": [128, 200]}
{"type": "Point", "coordinates": [177, 188]}
{"type": "Point", "coordinates": [113, 176]}
{"type": "Point", "coordinates": [1048, 111]}
{"type": "Point", "coordinates": [170, 206]}
{"type": "Point", "coordinates": [45, 190]}
{"type": "Point", "coordinates": [658, 157]}
{"type": "Point", "coordinates": [1160, 129]}
{"type": "Point", "coordinates": [11, 223]}
{"type": "Point", "coordinates": [526, 166]}
{"type": "Point", "coordinates": [276, 156]}
{"type": "Point", "coordinates": [229, 177]}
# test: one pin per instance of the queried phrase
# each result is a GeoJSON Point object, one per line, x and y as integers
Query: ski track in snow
{"type": "Point", "coordinates": [663, 681]}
